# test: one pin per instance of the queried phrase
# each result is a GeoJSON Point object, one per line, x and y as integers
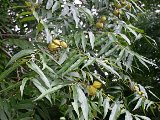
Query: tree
{"type": "Point", "coordinates": [74, 58]}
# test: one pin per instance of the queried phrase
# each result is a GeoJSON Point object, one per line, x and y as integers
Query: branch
{"type": "Point", "coordinates": [7, 53]}
{"type": "Point", "coordinates": [12, 35]}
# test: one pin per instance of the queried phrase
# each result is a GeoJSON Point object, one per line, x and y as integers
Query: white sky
{"type": "Point", "coordinates": [78, 2]}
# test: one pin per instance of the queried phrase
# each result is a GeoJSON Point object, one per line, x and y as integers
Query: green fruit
{"type": "Point", "coordinates": [103, 19]}
{"type": "Point", "coordinates": [53, 47]}
{"type": "Point", "coordinates": [99, 25]}
{"type": "Point", "coordinates": [123, 2]}
{"type": "Point", "coordinates": [57, 42]}
{"type": "Point", "coordinates": [128, 7]}
{"type": "Point", "coordinates": [97, 84]}
{"type": "Point", "coordinates": [91, 90]}
{"type": "Point", "coordinates": [116, 12]}
{"type": "Point", "coordinates": [63, 44]}
{"type": "Point", "coordinates": [118, 6]}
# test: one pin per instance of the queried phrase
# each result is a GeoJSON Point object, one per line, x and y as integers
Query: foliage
{"type": "Point", "coordinates": [42, 76]}
{"type": "Point", "coordinates": [151, 49]}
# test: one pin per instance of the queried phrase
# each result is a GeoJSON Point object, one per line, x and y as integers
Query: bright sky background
{"type": "Point", "coordinates": [78, 2]}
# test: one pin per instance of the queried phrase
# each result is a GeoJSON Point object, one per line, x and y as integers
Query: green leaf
{"type": "Point", "coordinates": [75, 103]}
{"type": "Point", "coordinates": [75, 107]}
{"type": "Point", "coordinates": [68, 63]}
{"type": "Point", "coordinates": [84, 42]}
{"type": "Point", "coordinates": [143, 117]}
{"type": "Point", "coordinates": [139, 103]}
{"type": "Point", "coordinates": [24, 81]}
{"type": "Point", "coordinates": [12, 68]}
{"type": "Point", "coordinates": [136, 98]}
{"type": "Point", "coordinates": [3, 115]}
{"type": "Point", "coordinates": [27, 19]}
{"type": "Point", "coordinates": [120, 55]}
{"type": "Point", "coordinates": [49, 4]}
{"type": "Point", "coordinates": [48, 34]}
{"type": "Point", "coordinates": [106, 106]}
{"type": "Point", "coordinates": [24, 44]}
{"type": "Point", "coordinates": [104, 48]}
{"type": "Point", "coordinates": [154, 94]}
{"type": "Point", "coordinates": [137, 118]}
{"type": "Point", "coordinates": [52, 90]}
{"type": "Point", "coordinates": [143, 63]}
{"type": "Point", "coordinates": [147, 61]}
{"type": "Point", "coordinates": [40, 27]}
{"type": "Point", "coordinates": [15, 7]}
{"type": "Point", "coordinates": [26, 118]}
{"type": "Point", "coordinates": [88, 14]}
{"type": "Point", "coordinates": [132, 15]}
{"type": "Point", "coordinates": [34, 67]}
{"type": "Point", "coordinates": [20, 54]}
{"type": "Point", "coordinates": [23, 13]}
{"type": "Point", "coordinates": [83, 102]}
{"type": "Point", "coordinates": [43, 60]}
{"type": "Point", "coordinates": [75, 14]}
{"type": "Point", "coordinates": [55, 6]}
{"type": "Point", "coordinates": [89, 62]}
{"type": "Point", "coordinates": [92, 38]}
{"type": "Point", "coordinates": [107, 67]}
{"type": "Point", "coordinates": [126, 38]}
{"type": "Point", "coordinates": [115, 112]}
{"type": "Point", "coordinates": [129, 62]}
{"type": "Point", "coordinates": [111, 50]}
{"type": "Point", "coordinates": [35, 14]}
{"type": "Point", "coordinates": [137, 6]}
{"type": "Point", "coordinates": [11, 87]}
{"type": "Point", "coordinates": [52, 58]}
{"type": "Point", "coordinates": [128, 116]}
{"type": "Point", "coordinates": [41, 88]}
{"type": "Point", "coordinates": [149, 104]}
{"type": "Point", "coordinates": [75, 65]}
{"type": "Point", "coordinates": [62, 58]}
{"type": "Point", "coordinates": [132, 31]}
{"type": "Point", "coordinates": [77, 38]}
{"type": "Point", "coordinates": [141, 59]}
{"type": "Point", "coordinates": [136, 29]}
{"type": "Point", "coordinates": [112, 37]}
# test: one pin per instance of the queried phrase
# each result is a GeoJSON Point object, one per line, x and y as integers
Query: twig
{"type": "Point", "coordinates": [12, 35]}
{"type": "Point", "coordinates": [7, 53]}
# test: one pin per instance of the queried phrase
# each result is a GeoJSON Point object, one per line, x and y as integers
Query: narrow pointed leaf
{"type": "Point", "coordinates": [107, 67]}
{"type": "Point", "coordinates": [128, 116]}
{"type": "Point", "coordinates": [83, 102]}
{"type": "Point", "coordinates": [49, 4]}
{"type": "Point", "coordinates": [115, 111]}
{"type": "Point", "coordinates": [92, 39]}
{"type": "Point", "coordinates": [75, 65]}
{"type": "Point", "coordinates": [34, 67]}
{"type": "Point", "coordinates": [12, 68]}
{"type": "Point", "coordinates": [19, 55]}
{"type": "Point", "coordinates": [24, 81]}
{"type": "Point", "coordinates": [84, 42]}
{"type": "Point", "coordinates": [139, 103]}
{"type": "Point", "coordinates": [106, 107]}
{"type": "Point", "coordinates": [89, 62]}
{"type": "Point", "coordinates": [52, 90]}
{"type": "Point", "coordinates": [125, 38]}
